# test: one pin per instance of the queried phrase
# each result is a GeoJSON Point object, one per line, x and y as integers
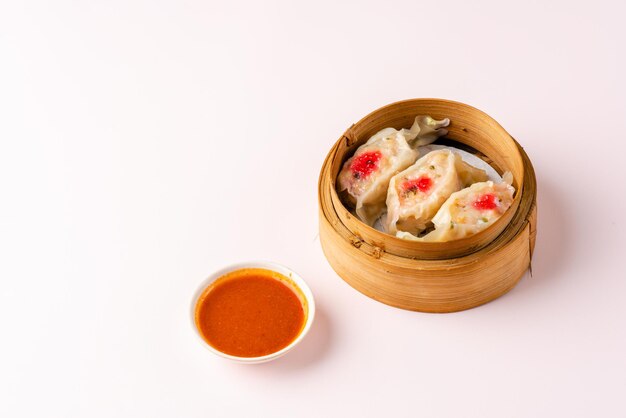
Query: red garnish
{"type": "Point", "coordinates": [423, 184]}
{"type": "Point", "coordinates": [485, 202]}
{"type": "Point", "coordinates": [363, 165]}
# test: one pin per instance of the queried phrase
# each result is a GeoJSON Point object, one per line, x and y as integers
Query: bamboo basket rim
{"type": "Point", "coordinates": [363, 234]}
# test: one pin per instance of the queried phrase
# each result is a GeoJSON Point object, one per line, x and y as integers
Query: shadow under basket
{"type": "Point", "coordinates": [432, 276]}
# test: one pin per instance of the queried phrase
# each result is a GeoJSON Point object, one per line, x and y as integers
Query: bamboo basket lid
{"type": "Point", "coordinates": [432, 277]}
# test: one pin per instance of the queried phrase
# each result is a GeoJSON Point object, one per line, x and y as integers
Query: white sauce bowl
{"type": "Point", "coordinates": [297, 280]}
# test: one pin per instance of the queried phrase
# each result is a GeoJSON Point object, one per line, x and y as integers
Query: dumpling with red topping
{"type": "Point", "coordinates": [470, 210]}
{"type": "Point", "coordinates": [364, 178]}
{"type": "Point", "coordinates": [415, 194]}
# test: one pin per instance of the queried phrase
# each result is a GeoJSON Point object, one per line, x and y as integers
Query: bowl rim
{"type": "Point", "coordinates": [261, 264]}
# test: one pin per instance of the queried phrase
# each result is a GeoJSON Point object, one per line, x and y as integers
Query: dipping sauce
{"type": "Point", "coordinates": [250, 312]}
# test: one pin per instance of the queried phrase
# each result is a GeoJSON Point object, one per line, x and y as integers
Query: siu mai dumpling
{"type": "Point", "coordinates": [469, 211]}
{"type": "Point", "coordinates": [416, 194]}
{"type": "Point", "coordinates": [364, 178]}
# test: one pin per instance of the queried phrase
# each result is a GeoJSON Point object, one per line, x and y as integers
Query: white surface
{"type": "Point", "coordinates": [296, 280]}
{"type": "Point", "coordinates": [146, 144]}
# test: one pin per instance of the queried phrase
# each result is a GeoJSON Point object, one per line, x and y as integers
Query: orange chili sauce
{"type": "Point", "coordinates": [250, 313]}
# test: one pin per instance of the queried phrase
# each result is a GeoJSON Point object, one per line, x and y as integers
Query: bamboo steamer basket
{"type": "Point", "coordinates": [432, 277]}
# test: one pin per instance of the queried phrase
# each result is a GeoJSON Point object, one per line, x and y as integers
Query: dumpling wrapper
{"type": "Point", "coordinates": [469, 211]}
{"type": "Point", "coordinates": [365, 176]}
{"type": "Point", "coordinates": [416, 194]}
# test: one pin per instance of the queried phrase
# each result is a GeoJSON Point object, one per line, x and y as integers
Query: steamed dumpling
{"type": "Point", "coordinates": [469, 211]}
{"type": "Point", "coordinates": [365, 176]}
{"type": "Point", "coordinates": [415, 194]}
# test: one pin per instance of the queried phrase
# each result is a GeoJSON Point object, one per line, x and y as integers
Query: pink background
{"type": "Point", "coordinates": [145, 144]}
